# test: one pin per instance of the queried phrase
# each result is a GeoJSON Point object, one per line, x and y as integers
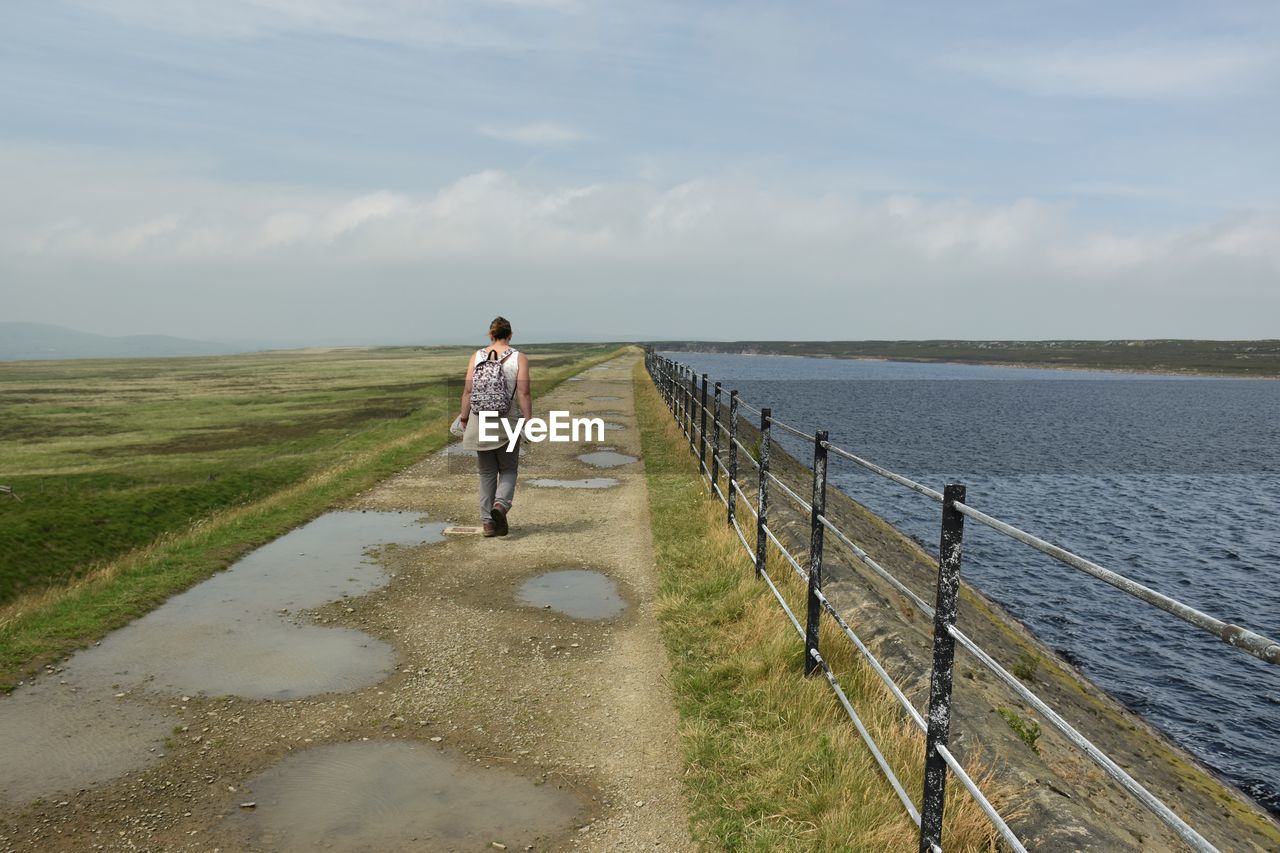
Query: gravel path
{"type": "Point", "coordinates": [527, 709]}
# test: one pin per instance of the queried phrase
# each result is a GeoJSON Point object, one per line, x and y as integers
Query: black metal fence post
{"type": "Point", "coordinates": [702, 428]}
{"type": "Point", "coordinates": [763, 507]}
{"type": "Point", "coordinates": [674, 391]}
{"type": "Point", "coordinates": [674, 378]}
{"type": "Point", "coordinates": [732, 496]}
{"type": "Point", "coordinates": [715, 441]}
{"type": "Point", "coordinates": [671, 387]}
{"type": "Point", "coordinates": [813, 618]}
{"type": "Point", "coordinates": [682, 392]}
{"type": "Point", "coordinates": [677, 404]}
{"type": "Point", "coordinates": [677, 394]}
{"type": "Point", "coordinates": [944, 654]}
{"type": "Point", "coordinates": [689, 409]}
{"type": "Point", "coordinates": [677, 391]}
{"type": "Point", "coordinates": [692, 396]}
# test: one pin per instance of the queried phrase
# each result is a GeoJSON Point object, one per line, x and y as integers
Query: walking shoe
{"type": "Point", "coordinates": [500, 519]}
{"type": "Point", "coordinates": [489, 529]}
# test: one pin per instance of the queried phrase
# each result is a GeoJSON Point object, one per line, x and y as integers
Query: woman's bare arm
{"type": "Point", "coordinates": [465, 414]}
{"type": "Point", "coordinates": [523, 389]}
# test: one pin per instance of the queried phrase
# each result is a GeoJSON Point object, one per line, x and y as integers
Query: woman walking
{"type": "Point", "coordinates": [497, 376]}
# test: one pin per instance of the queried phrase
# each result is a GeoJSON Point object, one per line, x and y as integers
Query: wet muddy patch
{"type": "Point", "coordinates": [577, 593]}
{"type": "Point", "coordinates": [590, 483]}
{"type": "Point", "coordinates": [604, 398]}
{"type": "Point", "coordinates": [607, 459]}
{"type": "Point", "coordinates": [239, 633]}
{"type": "Point", "coordinates": [57, 739]}
{"type": "Point", "coordinates": [394, 796]}
{"type": "Point", "coordinates": [455, 449]}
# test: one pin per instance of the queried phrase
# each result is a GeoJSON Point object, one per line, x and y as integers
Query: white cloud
{"type": "Point", "coordinates": [946, 227]}
{"type": "Point", "coordinates": [361, 210]}
{"type": "Point", "coordinates": [1102, 253]}
{"type": "Point", "coordinates": [890, 266]}
{"type": "Point", "coordinates": [1122, 71]}
{"type": "Point", "coordinates": [1251, 237]}
{"type": "Point", "coordinates": [538, 133]}
{"type": "Point", "coordinates": [141, 215]}
{"type": "Point", "coordinates": [136, 238]}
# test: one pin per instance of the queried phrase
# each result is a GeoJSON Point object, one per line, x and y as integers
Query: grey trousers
{"type": "Point", "coordinates": [498, 470]}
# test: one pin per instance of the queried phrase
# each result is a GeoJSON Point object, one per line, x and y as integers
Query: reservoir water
{"type": "Point", "coordinates": [1172, 481]}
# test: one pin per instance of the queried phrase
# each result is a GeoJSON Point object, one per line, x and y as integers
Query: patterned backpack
{"type": "Point", "coordinates": [489, 385]}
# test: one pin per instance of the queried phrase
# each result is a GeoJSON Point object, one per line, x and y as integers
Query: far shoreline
{"type": "Point", "coordinates": [1183, 373]}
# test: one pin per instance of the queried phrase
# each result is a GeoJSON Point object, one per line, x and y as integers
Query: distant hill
{"type": "Point", "coordinates": [28, 341]}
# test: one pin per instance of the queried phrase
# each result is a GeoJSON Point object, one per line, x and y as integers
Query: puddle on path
{"type": "Point", "coordinates": [606, 459]}
{"type": "Point", "coordinates": [592, 483]}
{"type": "Point", "coordinates": [608, 425]}
{"type": "Point", "coordinates": [578, 593]}
{"type": "Point", "coordinates": [603, 398]}
{"type": "Point", "coordinates": [456, 449]}
{"type": "Point", "coordinates": [232, 634]}
{"type": "Point", "coordinates": [396, 796]}
{"type": "Point", "coordinates": [57, 739]}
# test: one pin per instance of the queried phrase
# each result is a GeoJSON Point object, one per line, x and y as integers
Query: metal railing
{"type": "Point", "coordinates": [687, 399]}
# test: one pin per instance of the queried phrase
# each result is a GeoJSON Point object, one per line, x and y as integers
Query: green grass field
{"type": "Point", "coordinates": [107, 455]}
{"type": "Point", "coordinates": [136, 477]}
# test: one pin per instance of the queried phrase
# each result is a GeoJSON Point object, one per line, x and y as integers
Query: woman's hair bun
{"type": "Point", "coordinates": [500, 328]}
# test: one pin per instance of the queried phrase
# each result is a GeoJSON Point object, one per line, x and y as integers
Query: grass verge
{"type": "Point", "coordinates": [773, 762]}
{"type": "Point", "coordinates": [43, 626]}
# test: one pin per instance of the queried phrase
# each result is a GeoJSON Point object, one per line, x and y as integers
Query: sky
{"type": "Point", "coordinates": [400, 171]}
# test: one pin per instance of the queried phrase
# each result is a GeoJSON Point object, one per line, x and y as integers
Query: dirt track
{"type": "Point", "coordinates": [555, 703]}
